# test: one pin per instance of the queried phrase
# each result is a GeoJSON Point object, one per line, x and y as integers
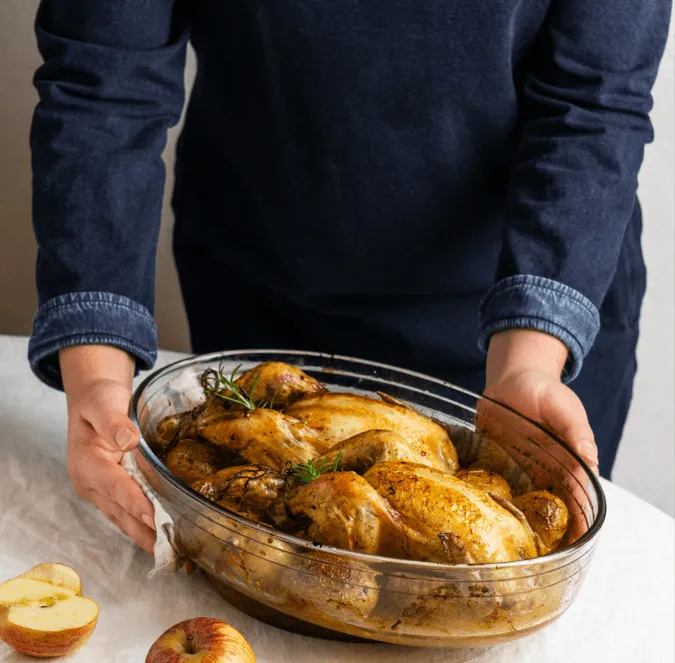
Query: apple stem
{"type": "Point", "coordinates": [190, 645]}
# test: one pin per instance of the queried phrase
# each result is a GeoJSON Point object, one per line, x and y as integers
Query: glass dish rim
{"type": "Point", "coordinates": [366, 558]}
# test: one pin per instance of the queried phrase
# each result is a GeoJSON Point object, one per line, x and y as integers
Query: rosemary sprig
{"type": "Point", "coordinates": [308, 472]}
{"type": "Point", "coordinates": [237, 394]}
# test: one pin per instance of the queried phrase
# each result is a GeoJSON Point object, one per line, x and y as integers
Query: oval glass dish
{"type": "Point", "coordinates": [295, 584]}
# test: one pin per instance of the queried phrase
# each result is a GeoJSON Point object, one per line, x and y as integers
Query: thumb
{"type": "Point", "coordinates": [106, 412]}
{"type": "Point", "coordinates": [562, 411]}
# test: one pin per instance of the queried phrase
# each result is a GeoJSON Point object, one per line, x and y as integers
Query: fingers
{"type": "Point", "coordinates": [112, 482]}
{"type": "Point", "coordinates": [99, 431]}
{"type": "Point", "coordinates": [106, 411]}
{"type": "Point", "coordinates": [140, 533]}
{"type": "Point", "coordinates": [548, 402]}
{"type": "Point", "coordinates": [562, 411]}
{"type": "Point", "coordinates": [109, 488]}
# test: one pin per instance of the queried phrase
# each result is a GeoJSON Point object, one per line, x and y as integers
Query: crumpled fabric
{"type": "Point", "coordinates": [168, 558]}
{"type": "Point", "coordinates": [182, 391]}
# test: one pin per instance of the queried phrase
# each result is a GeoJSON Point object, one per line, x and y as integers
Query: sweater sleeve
{"type": "Point", "coordinates": [110, 87]}
{"type": "Point", "coordinates": [586, 97]}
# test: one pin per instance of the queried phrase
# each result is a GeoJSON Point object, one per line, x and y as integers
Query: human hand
{"type": "Point", "coordinates": [523, 372]}
{"type": "Point", "coordinates": [97, 381]}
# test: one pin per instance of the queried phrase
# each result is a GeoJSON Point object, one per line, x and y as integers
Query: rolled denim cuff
{"type": "Point", "coordinates": [90, 318]}
{"type": "Point", "coordinates": [534, 302]}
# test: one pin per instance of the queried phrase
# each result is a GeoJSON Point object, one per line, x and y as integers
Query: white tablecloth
{"type": "Point", "coordinates": [625, 611]}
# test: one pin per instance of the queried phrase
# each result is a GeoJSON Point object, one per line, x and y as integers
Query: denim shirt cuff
{"type": "Point", "coordinates": [90, 318]}
{"type": "Point", "coordinates": [534, 302]}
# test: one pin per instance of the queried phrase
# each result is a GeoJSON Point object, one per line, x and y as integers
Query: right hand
{"type": "Point", "coordinates": [97, 382]}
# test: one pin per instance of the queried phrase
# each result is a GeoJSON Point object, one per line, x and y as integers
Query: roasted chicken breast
{"type": "Point", "coordinates": [340, 416]}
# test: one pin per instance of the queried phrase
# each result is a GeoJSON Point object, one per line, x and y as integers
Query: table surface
{"type": "Point", "coordinates": [625, 610]}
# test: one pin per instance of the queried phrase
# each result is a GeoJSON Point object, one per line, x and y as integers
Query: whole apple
{"type": "Point", "coordinates": [201, 640]}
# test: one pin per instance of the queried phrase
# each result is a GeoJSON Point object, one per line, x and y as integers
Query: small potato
{"type": "Point", "coordinates": [548, 517]}
{"type": "Point", "coordinates": [191, 460]}
{"type": "Point", "coordinates": [488, 482]}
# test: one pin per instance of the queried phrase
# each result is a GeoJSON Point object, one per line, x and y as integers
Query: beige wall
{"type": "Point", "coordinates": [645, 463]}
{"type": "Point", "coordinates": [17, 248]}
{"type": "Point", "coordinates": [18, 60]}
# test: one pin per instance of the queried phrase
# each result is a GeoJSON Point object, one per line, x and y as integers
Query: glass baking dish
{"type": "Point", "coordinates": [305, 587]}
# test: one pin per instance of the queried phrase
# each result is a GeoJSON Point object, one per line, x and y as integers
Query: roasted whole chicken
{"type": "Point", "coordinates": [360, 473]}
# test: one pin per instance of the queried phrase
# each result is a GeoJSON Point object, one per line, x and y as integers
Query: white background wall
{"type": "Point", "coordinates": [646, 462]}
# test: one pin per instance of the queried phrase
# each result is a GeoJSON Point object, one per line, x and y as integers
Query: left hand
{"type": "Point", "coordinates": [524, 371]}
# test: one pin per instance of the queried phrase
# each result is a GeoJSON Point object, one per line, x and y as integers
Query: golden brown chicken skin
{"type": "Point", "coordinates": [274, 384]}
{"type": "Point", "coordinates": [248, 490]}
{"type": "Point", "coordinates": [340, 416]}
{"type": "Point", "coordinates": [346, 512]}
{"type": "Point", "coordinates": [278, 384]}
{"type": "Point", "coordinates": [359, 453]}
{"type": "Point", "coordinates": [265, 437]}
{"type": "Point", "coordinates": [184, 425]}
{"type": "Point", "coordinates": [469, 526]}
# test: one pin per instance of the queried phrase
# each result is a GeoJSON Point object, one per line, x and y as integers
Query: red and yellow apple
{"type": "Point", "coordinates": [201, 640]}
{"type": "Point", "coordinates": [43, 612]}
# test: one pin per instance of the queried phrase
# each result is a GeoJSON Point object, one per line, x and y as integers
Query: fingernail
{"type": "Point", "coordinates": [148, 520]}
{"type": "Point", "coordinates": [589, 450]}
{"type": "Point", "coordinates": [124, 438]}
{"type": "Point", "coordinates": [591, 462]}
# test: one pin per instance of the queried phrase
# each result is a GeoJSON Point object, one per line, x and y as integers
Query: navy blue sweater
{"type": "Point", "coordinates": [354, 176]}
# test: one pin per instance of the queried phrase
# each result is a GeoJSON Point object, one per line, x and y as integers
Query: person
{"type": "Point", "coordinates": [448, 187]}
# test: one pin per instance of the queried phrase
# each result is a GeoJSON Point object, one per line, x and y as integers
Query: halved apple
{"type": "Point", "coordinates": [56, 574]}
{"type": "Point", "coordinates": [42, 613]}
